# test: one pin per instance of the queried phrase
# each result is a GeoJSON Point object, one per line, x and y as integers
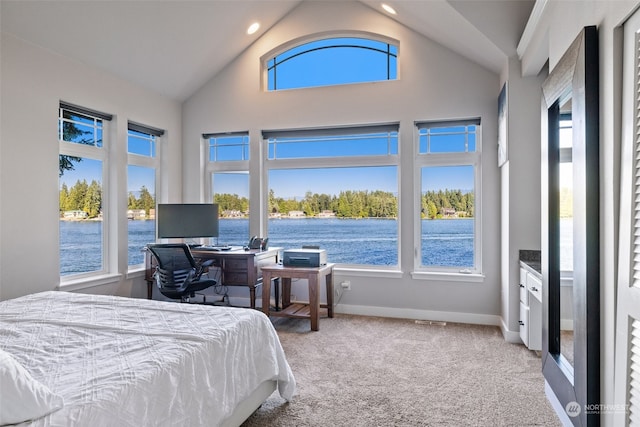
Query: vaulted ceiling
{"type": "Point", "coordinates": [173, 47]}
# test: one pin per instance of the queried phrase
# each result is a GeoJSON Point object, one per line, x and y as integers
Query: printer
{"type": "Point", "coordinates": [304, 257]}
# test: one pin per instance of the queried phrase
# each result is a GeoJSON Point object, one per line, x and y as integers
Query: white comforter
{"type": "Point", "coordinates": [130, 362]}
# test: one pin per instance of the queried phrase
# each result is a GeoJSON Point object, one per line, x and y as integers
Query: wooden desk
{"type": "Point", "coordinates": [306, 311]}
{"type": "Point", "coordinates": [238, 267]}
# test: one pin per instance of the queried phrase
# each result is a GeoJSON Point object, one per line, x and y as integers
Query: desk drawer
{"type": "Point", "coordinates": [235, 264]}
{"type": "Point", "coordinates": [235, 278]}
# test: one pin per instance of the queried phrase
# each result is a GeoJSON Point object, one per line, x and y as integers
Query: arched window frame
{"type": "Point", "coordinates": [269, 56]}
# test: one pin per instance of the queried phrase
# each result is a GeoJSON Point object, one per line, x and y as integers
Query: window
{"type": "Point", "coordinates": [448, 163]}
{"type": "Point", "coordinates": [346, 203]}
{"type": "Point", "coordinates": [332, 61]}
{"type": "Point", "coordinates": [228, 169]}
{"type": "Point", "coordinates": [142, 173]}
{"type": "Point", "coordinates": [82, 165]}
{"type": "Point", "coordinates": [228, 146]}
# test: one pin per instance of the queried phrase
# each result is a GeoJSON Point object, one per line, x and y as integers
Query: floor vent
{"type": "Point", "coordinates": [431, 322]}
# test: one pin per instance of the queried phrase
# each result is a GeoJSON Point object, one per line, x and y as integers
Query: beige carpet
{"type": "Point", "coordinates": [364, 371]}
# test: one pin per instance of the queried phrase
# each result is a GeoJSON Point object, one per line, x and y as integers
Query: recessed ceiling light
{"type": "Point", "coordinates": [389, 9]}
{"type": "Point", "coordinates": [253, 28]}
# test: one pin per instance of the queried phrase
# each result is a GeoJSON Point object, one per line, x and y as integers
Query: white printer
{"type": "Point", "coordinates": [304, 257]}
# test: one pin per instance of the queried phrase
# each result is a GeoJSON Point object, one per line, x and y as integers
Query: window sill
{"type": "Point", "coordinates": [88, 282]}
{"type": "Point", "coordinates": [368, 272]}
{"type": "Point", "coordinates": [448, 276]}
{"type": "Point", "coordinates": [135, 271]}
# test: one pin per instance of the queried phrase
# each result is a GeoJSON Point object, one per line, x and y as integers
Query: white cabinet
{"type": "Point", "coordinates": [530, 308]}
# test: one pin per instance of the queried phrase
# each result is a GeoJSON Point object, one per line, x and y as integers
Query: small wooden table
{"type": "Point", "coordinates": [313, 275]}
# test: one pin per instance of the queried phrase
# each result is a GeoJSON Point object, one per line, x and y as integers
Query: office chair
{"type": "Point", "coordinates": [177, 274]}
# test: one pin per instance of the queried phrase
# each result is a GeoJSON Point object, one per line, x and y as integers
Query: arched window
{"type": "Point", "coordinates": [333, 61]}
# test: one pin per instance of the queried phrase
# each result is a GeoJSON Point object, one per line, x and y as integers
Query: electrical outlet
{"type": "Point", "coordinates": [346, 285]}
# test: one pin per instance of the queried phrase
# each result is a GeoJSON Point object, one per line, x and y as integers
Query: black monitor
{"type": "Point", "coordinates": [187, 220]}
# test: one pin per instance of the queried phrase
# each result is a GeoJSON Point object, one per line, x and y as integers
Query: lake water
{"type": "Point", "coordinates": [347, 241]}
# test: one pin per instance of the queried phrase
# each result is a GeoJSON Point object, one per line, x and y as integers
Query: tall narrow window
{"type": "Point", "coordinates": [142, 172]}
{"type": "Point", "coordinates": [449, 163]}
{"type": "Point", "coordinates": [347, 203]}
{"type": "Point", "coordinates": [333, 61]}
{"type": "Point", "coordinates": [228, 169]}
{"type": "Point", "coordinates": [82, 162]}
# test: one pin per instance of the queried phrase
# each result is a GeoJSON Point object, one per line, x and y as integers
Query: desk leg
{"type": "Point", "coordinates": [286, 292]}
{"type": "Point", "coordinates": [314, 301]}
{"type": "Point", "coordinates": [252, 296]}
{"type": "Point", "coordinates": [276, 292]}
{"type": "Point", "coordinates": [329, 284]}
{"type": "Point", "coordinates": [266, 292]}
{"type": "Point", "coordinates": [149, 290]}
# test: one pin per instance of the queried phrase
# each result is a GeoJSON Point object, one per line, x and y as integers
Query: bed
{"type": "Point", "coordinates": [95, 360]}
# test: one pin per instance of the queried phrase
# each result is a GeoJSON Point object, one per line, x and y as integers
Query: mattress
{"type": "Point", "coordinates": [132, 362]}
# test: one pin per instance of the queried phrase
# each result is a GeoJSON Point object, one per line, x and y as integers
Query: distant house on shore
{"type": "Point", "coordinates": [449, 212]}
{"type": "Point", "coordinates": [296, 214]}
{"type": "Point", "coordinates": [231, 213]}
{"type": "Point", "coordinates": [136, 214]}
{"type": "Point", "coordinates": [327, 214]}
{"type": "Point", "coordinates": [75, 214]}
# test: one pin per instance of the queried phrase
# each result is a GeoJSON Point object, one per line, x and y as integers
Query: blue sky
{"type": "Point", "coordinates": [295, 183]}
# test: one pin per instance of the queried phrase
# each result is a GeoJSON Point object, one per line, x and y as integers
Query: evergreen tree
{"type": "Point", "coordinates": [146, 201]}
{"type": "Point", "coordinates": [64, 196]}
{"type": "Point", "coordinates": [77, 195]}
{"type": "Point", "coordinates": [132, 202]}
{"type": "Point", "coordinates": [93, 200]}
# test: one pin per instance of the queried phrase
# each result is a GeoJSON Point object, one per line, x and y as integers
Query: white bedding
{"type": "Point", "coordinates": [130, 362]}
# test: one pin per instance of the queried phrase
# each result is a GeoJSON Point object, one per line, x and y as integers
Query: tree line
{"type": "Point", "coordinates": [357, 204]}
{"type": "Point", "coordinates": [88, 198]}
{"type": "Point", "coordinates": [348, 204]}
{"type": "Point", "coordinates": [438, 204]}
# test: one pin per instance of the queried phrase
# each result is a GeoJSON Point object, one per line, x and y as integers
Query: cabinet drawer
{"type": "Point", "coordinates": [524, 295]}
{"type": "Point", "coordinates": [524, 324]}
{"type": "Point", "coordinates": [534, 285]}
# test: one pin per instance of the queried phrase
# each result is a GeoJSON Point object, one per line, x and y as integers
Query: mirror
{"type": "Point", "coordinates": [570, 231]}
{"type": "Point", "coordinates": [565, 206]}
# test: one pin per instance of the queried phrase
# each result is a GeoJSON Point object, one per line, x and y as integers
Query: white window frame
{"type": "Point", "coordinates": [332, 163]}
{"type": "Point", "coordinates": [264, 60]}
{"type": "Point", "coordinates": [94, 153]}
{"type": "Point", "coordinates": [151, 162]}
{"type": "Point", "coordinates": [467, 158]}
{"type": "Point", "coordinates": [222, 166]}
{"type": "Point", "coordinates": [213, 167]}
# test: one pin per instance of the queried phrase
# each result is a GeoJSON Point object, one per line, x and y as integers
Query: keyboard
{"type": "Point", "coordinates": [214, 248]}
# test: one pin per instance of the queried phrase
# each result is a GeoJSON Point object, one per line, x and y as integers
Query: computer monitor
{"type": "Point", "coordinates": [187, 220]}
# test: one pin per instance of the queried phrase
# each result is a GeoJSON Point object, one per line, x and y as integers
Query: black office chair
{"type": "Point", "coordinates": [177, 274]}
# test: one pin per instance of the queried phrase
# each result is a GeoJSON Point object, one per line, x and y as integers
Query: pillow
{"type": "Point", "coordinates": [22, 398]}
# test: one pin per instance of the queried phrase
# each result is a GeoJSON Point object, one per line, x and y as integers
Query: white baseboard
{"type": "Point", "coordinates": [409, 313]}
{"type": "Point", "coordinates": [510, 336]}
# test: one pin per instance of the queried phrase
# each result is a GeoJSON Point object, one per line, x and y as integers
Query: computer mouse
{"type": "Point", "coordinates": [246, 248]}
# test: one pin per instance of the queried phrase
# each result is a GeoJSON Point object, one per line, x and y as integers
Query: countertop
{"type": "Point", "coordinates": [531, 259]}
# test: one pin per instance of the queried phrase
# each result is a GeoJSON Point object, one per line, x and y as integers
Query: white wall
{"type": "Point", "coordinates": [560, 24]}
{"type": "Point", "coordinates": [520, 187]}
{"type": "Point", "coordinates": [434, 83]}
{"type": "Point", "coordinates": [33, 81]}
